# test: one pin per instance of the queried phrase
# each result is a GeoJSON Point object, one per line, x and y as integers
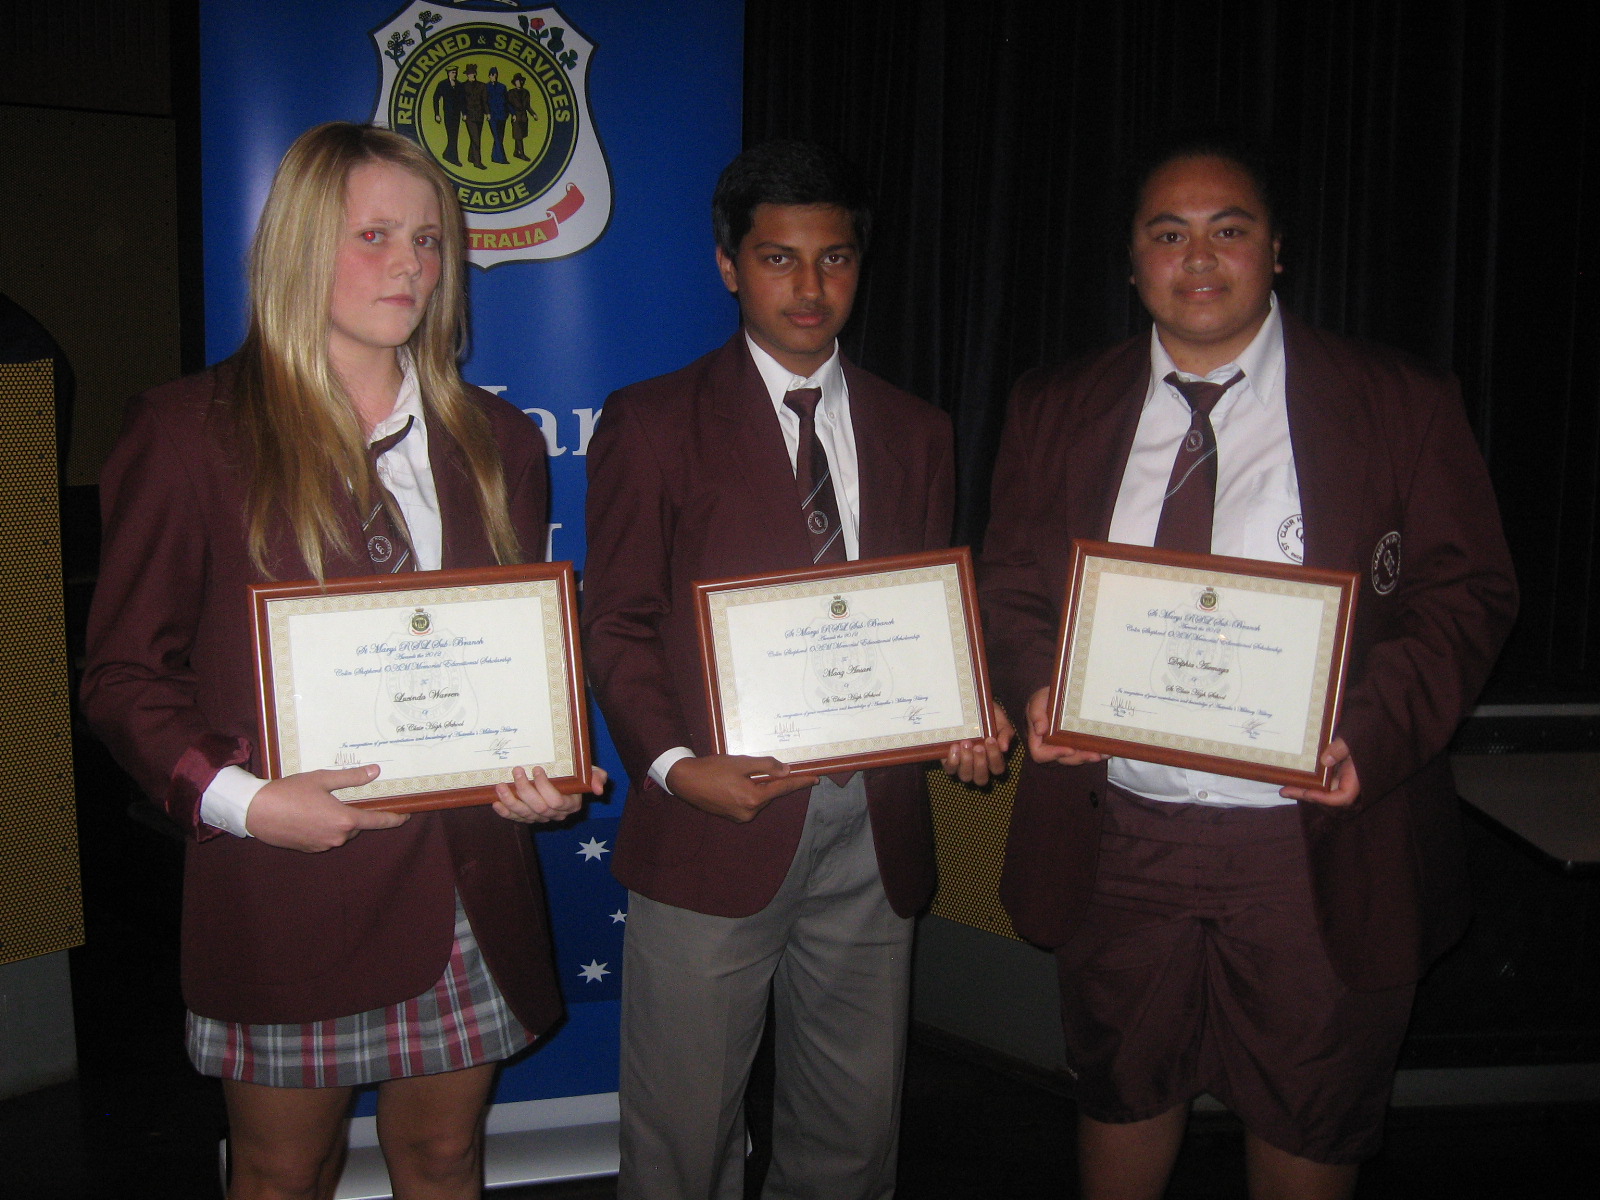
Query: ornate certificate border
{"type": "Point", "coordinates": [545, 591]}
{"type": "Point", "coordinates": [1220, 741]}
{"type": "Point", "coordinates": [733, 733]}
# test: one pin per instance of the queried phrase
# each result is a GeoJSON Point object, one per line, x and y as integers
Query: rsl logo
{"type": "Point", "coordinates": [500, 101]}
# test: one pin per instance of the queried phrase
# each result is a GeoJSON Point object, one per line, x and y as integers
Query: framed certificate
{"type": "Point", "coordinates": [1227, 665]}
{"type": "Point", "coordinates": [445, 679]}
{"type": "Point", "coordinates": [843, 667]}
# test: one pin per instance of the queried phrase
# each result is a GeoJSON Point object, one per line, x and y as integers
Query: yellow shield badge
{"type": "Point", "coordinates": [501, 102]}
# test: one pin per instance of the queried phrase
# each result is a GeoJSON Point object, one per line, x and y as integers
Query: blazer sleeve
{"type": "Point", "coordinates": [627, 589]}
{"type": "Point", "coordinates": [1454, 601]}
{"type": "Point", "coordinates": [139, 689]}
{"type": "Point", "coordinates": [1019, 611]}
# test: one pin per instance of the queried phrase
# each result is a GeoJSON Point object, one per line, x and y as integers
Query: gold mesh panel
{"type": "Point", "coordinates": [969, 827]}
{"type": "Point", "coordinates": [40, 907]}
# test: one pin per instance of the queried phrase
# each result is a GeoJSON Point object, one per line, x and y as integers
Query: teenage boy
{"type": "Point", "coordinates": [770, 453]}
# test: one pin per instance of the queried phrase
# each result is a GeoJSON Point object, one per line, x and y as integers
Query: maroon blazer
{"type": "Point", "coordinates": [274, 935]}
{"type": "Point", "coordinates": [689, 479]}
{"type": "Point", "coordinates": [1381, 448]}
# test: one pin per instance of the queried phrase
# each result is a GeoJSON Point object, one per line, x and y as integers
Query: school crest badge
{"type": "Point", "coordinates": [500, 100]}
{"type": "Point", "coordinates": [1386, 563]}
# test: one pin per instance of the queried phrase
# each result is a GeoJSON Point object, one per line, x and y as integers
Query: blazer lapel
{"type": "Point", "coordinates": [1325, 433]}
{"type": "Point", "coordinates": [1106, 436]}
{"type": "Point", "coordinates": [881, 472]}
{"type": "Point", "coordinates": [756, 452]}
{"type": "Point", "coordinates": [464, 539]}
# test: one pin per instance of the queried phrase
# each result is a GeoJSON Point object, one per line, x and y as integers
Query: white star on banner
{"type": "Point", "coordinates": [594, 972]}
{"type": "Point", "coordinates": [618, 918]}
{"type": "Point", "coordinates": [593, 848]}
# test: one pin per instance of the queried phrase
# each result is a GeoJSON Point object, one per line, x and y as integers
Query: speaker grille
{"type": "Point", "coordinates": [41, 908]}
{"type": "Point", "coordinates": [969, 826]}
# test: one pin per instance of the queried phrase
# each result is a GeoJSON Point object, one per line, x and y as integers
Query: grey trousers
{"type": "Point", "coordinates": [694, 994]}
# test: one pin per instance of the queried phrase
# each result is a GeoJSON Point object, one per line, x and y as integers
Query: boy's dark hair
{"type": "Point", "coordinates": [1254, 159]}
{"type": "Point", "coordinates": [785, 172]}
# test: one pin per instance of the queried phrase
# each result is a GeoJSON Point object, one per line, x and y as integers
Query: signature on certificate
{"type": "Point", "coordinates": [344, 757]}
{"type": "Point", "coordinates": [914, 713]}
{"type": "Point", "coordinates": [500, 747]}
{"type": "Point", "coordinates": [1122, 705]}
{"type": "Point", "coordinates": [783, 730]}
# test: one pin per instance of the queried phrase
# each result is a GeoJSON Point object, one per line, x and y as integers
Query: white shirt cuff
{"type": "Point", "coordinates": [227, 801]}
{"type": "Point", "coordinates": [665, 762]}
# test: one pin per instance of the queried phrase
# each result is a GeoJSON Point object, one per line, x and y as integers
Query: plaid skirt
{"type": "Point", "coordinates": [462, 1021]}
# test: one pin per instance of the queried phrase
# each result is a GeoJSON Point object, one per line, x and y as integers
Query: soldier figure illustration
{"type": "Point", "coordinates": [497, 114]}
{"type": "Point", "coordinates": [475, 99]}
{"type": "Point", "coordinates": [448, 99]}
{"type": "Point", "coordinates": [520, 105]}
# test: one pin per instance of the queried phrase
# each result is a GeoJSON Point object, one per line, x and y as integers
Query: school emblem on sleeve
{"type": "Point", "coordinates": [1292, 538]}
{"type": "Point", "coordinates": [1386, 563]}
{"type": "Point", "coordinates": [500, 100]}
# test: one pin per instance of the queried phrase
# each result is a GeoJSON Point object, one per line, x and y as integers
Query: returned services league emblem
{"type": "Point", "coordinates": [500, 100]}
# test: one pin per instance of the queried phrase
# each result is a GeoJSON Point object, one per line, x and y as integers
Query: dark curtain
{"type": "Point", "coordinates": [1444, 162]}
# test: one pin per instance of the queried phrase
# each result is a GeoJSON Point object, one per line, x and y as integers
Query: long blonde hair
{"type": "Point", "coordinates": [306, 447]}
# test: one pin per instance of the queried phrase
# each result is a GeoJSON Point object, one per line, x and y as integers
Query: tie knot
{"type": "Point", "coordinates": [804, 401]}
{"type": "Point", "coordinates": [1202, 394]}
{"type": "Point", "coordinates": [385, 444]}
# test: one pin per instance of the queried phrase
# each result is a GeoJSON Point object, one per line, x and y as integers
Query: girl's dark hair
{"type": "Point", "coordinates": [1253, 159]}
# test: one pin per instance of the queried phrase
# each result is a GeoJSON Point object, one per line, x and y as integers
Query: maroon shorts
{"type": "Point", "coordinates": [1199, 968]}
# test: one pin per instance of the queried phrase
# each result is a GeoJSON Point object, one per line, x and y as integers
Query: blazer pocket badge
{"type": "Point", "coordinates": [1386, 563]}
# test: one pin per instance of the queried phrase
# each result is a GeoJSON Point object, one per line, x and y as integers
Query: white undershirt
{"type": "Point", "coordinates": [407, 472]}
{"type": "Point", "coordinates": [1257, 513]}
{"type": "Point", "coordinates": [838, 443]}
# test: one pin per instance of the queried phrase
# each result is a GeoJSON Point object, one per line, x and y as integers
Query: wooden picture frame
{"type": "Point", "coordinates": [888, 651]}
{"type": "Point", "coordinates": [446, 679]}
{"type": "Point", "coordinates": [1227, 665]}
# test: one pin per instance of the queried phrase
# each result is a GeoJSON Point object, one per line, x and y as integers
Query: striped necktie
{"type": "Point", "coordinates": [1192, 488]}
{"type": "Point", "coordinates": [388, 541]}
{"type": "Point", "coordinates": [817, 503]}
{"type": "Point", "coordinates": [814, 481]}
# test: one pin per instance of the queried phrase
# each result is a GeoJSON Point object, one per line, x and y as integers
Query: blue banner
{"type": "Point", "coordinates": [584, 141]}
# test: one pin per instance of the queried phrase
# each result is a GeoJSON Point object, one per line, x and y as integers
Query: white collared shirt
{"type": "Point", "coordinates": [838, 440]}
{"type": "Point", "coordinates": [833, 430]}
{"type": "Point", "coordinates": [1257, 513]}
{"type": "Point", "coordinates": [407, 472]}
